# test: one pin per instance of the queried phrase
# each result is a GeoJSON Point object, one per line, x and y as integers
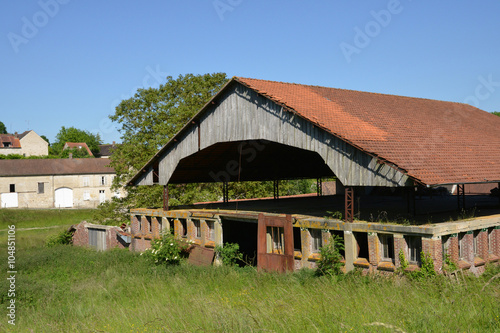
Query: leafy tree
{"type": "Point", "coordinates": [76, 153]}
{"type": "Point", "coordinates": [72, 134]}
{"type": "Point", "coordinates": [148, 121]}
{"type": "Point", "coordinates": [3, 129]}
{"type": "Point", "coordinates": [45, 138]}
{"type": "Point", "coordinates": [497, 113]}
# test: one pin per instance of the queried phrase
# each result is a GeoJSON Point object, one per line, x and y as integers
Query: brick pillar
{"type": "Point", "coordinates": [495, 241]}
{"type": "Point", "coordinates": [482, 244]}
{"type": "Point", "coordinates": [373, 249]}
{"type": "Point", "coordinates": [399, 245]}
{"type": "Point", "coordinates": [434, 248]}
{"type": "Point", "coordinates": [350, 250]}
{"type": "Point", "coordinates": [468, 247]}
{"type": "Point", "coordinates": [305, 245]}
{"type": "Point", "coordinates": [134, 223]}
{"type": "Point", "coordinates": [453, 248]}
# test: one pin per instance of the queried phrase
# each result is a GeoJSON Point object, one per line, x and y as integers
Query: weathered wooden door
{"type": "Point", "coordinates": [275, 243]}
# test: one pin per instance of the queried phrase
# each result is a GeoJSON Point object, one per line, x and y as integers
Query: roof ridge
{"type": "Point", "coordinates": [352, 90]}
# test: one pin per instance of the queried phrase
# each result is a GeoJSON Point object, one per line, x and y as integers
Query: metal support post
{"type": "Point", "coordinates": [165, 197]}
{"type": "Point", "coordinates": [461, 197]}
{"type": "Point", "coordinates": [319, 187]}
{"type": "Point", "coordinates": [349, 204]}
{"type": "Point", "coordinates": [276, 189]}
{"type": "Point", "coordinates": [225, 192]}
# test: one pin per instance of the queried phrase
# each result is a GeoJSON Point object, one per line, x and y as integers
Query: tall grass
{"type": "Point", "coordinates": [71, 289]}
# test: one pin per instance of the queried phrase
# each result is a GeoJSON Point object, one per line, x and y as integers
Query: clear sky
{"type": "Point", "coordinates": [70, 62]}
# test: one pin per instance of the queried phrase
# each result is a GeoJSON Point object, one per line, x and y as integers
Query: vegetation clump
{"type": "Point", "coordinates": [165, 251]}
{"type": "Point", "coordinates": [229, 253]}
{"type": "Point", "coordinates": [65, 237]}
{"type": "Point", "coordinates": [331, 261]}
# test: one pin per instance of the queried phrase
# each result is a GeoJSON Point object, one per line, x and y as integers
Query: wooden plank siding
{"type": "Point", "coordinates": [242, 114]}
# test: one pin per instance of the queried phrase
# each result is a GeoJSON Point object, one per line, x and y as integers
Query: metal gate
{"type": "Point", "coordinates": [275, 243]}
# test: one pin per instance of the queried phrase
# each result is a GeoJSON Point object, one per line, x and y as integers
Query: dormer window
{"type": "Point", "coordinates": [7, 144]}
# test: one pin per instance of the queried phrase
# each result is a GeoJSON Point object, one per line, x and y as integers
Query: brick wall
{"type": "Point", "coordinates": [373, 249]}
{"type": "Point", "coordinates": [434, 247]}
{"type": "Point", "coordinates": [81, 235]}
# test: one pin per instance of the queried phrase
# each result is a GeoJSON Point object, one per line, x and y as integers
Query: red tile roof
{"type": "Point", "coordinates": [434, 142]}
{"type": "Point", "coordinates": [39, 167]}
{"type": "Point", "coordinates": [11, 140]}
{"type": "Point", "coordinates": [78, 145]}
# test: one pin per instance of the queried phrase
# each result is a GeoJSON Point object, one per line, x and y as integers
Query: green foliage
{"type": "Point", "coordinates": [65, 237]}
{"type": "Point", "coordinates": [60, 288]}
{"type": "Point", "coordinates": [427, 266]}
{"type": "Point", "coordinates": [45, 138]}
{"type": "Point", "coordinates": [403, 262]}
{"type": "Point", "coordinates": [76, 153]}
{"type": "Point", "coordinates": [449, 265]}
{"type": "Point", "coordinates": [165, 251]}
{"type": "Point", "coordinates": [229, 253]}
{"type": "Point", "coordinates": [72, 134]}
{"type": "Point", "coordinates": [336, 215]}
{"type": "Point", "coordinates": [496, 113]}
{"type": "Point", "coordinates": [111, 213]}
{"type": "Point", "coordinates": [331, 259]}
{"type": "Point", "coordinates": [3, 129]}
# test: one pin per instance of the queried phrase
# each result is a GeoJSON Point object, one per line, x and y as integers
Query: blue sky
{"type": "Point", "coordinates": [70, 62]}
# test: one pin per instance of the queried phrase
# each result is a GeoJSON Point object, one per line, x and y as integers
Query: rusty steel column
{"type": "Point", "coordinates": [319, 187]}
{"type": "Point", "coordinates": [276, 189]}
{"type": "Point", "coordinates": [225, 192]}
{"type": "Point", "coordinates": [349, 204]}
{"type": "Point", "coordinates": [461, 197]}
{"type": "Point", "coordinates": [165, 197]}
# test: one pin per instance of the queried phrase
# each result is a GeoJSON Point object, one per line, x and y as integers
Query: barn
{"type": "Point", "coordinates": [255, 130]}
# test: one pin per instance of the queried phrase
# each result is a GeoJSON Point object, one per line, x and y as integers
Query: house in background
{"type": "Point", "coordinates": [105, 151]}
{"type": "Point", "coordinates": [26, 144]}
{"type": "Point", "coordinates": [55, 183]}
{"type": "Point", "coordinates": [78, 145]}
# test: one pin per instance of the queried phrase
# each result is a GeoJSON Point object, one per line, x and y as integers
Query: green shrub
{"type": "Point", "coordinates": [229, 253]}
{"type": "Point", "coordinates": [449, 265]}
{"type": "Point", "coordinates": [331, 259]}
{"type": "Point", "coordinates": [63, 238]}
{"type": "Point", "coordinates": [403, 261]}
{"type": "Point", "coordinates": [166, 250]}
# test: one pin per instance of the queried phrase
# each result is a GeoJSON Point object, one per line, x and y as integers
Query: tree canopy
{"type": "Point", "coordinates": [3, 129]}
{"type": "Point", "coordinates": [497, 113]}
{"type": "Point", "coordinates": [72, 134]}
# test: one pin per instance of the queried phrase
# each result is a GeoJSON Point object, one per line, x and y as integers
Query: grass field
{"type": "Point", "coordinates": [71, 289]}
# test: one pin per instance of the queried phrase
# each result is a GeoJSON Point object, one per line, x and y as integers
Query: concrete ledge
{"type": "Point", "coordinates": [386, 266]}
{"type": "Point", "coordinates": [362, 262]}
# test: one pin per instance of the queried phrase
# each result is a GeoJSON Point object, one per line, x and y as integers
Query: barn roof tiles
{"type": "Point", "coordinates": [39, 167]}
{"type": "Point", "coordinates": [434, 142]}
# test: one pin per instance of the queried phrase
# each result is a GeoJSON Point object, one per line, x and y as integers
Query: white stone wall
{"type": "Point", "coordinates": [85, 189]}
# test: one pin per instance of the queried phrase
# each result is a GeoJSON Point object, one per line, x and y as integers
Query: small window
{"type": "Point", "coordinates": [12, 188]}
{"type": "Point", "coordinates": [276, 240]}
{"type": "Point", "coordinates": [386, 247]}
{"type": "Point", "coordinates": [414, 244]}
{"type": "Point", "coordinates": [41, 188]}
{"type": "Point", "coordinates": [7, 144]}
{"type": "Point", "coordinates": [474, 244]}
{"type": "Point", "coordinates": [362, 244]}
{"type": "Point", "coordinates": [211, 230]}
{"type": "Point", "coordinates": [139, 222]}
{"type": "Point", "coordinates": [462, 248]}
{"type": "Point", "coordinates": [103, 180]}
{"type": "Point", "coordinates": [160, 224]}
{"type": "Point", "coordinates": [197, 228]}
{"type": "Point", "coordinates": [297, 242]}
{"type": "Point", "coordinates": [156, 172]}
{"type": "Point", "coordinates": [316, 240]}
{"type": "Point", "coordinates": [86, 195]}
{"type": "Point", "coordinates": [183, 230]}
{"type": "Point", "coordinates": [85, 181]}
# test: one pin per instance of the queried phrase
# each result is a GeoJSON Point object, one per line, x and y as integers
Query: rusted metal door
{"type": "Point", "coordinates": [275, 243]}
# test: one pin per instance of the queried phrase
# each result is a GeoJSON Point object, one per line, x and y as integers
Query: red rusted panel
{"type": "Point", "coordinates": [272, 261]}
{"type": "Point", "coordinates": [201, 256]}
